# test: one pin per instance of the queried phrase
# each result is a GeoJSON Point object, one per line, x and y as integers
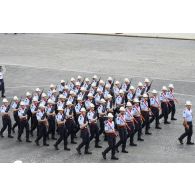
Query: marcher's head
{"type": "Point", "coordinates": [188, 105]}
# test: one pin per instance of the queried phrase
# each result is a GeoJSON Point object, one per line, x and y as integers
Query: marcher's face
{"type": "Point", "coordinates": [189, 107]}
{"type": "Point", "coordinates": [110, 119]}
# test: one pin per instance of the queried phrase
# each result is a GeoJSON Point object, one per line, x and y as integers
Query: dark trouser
{"type": "Point", "coordinates": [34, 122]}
{"type": "Point", "coordinates": [85, 139]}
{"type": "Point", "coordinates": [23, 124]}
{"type": "Point", "coordinates": [188, 133]}
{"type": "Point", "coordinates": [29, 114]}
{"type": "Point", "coordinates": [51, 128]}
{"type": "Point", "coordinates": [17, 120]}
{"type": "Point", "coordinates": [42, 132]}
{"type": "Point", "coordinates": [172, 109]}
{"type": "Point", "coordinates": [131, 132]}
{"type": "Point", "coordinates": [94, 130]}
{"type": "Point", "coordinates": [71, 126]}
{"type": "Point", "coordinates": [165, 111]}
{"type": "Point", "coordinates": [138, 127]}
{"type": "Point", "coordinates": [2, 87]}
{"type": "Point", "coordinates": [123, 137]}
{"type": "Point", "coordinates": [63, 135]}
{"type": "Point", "coordinates": [6, 123]}
{"type": "Point", "coordinates": [146, 121]}
{"type": "Point", "coordinates": [77, 124]}
{"type": "Point", "coordinates": [111, 144]}
{"type": "Point", "coordinates": [155, 115]}
{"type": "Point", "coordinates": [101, 119]}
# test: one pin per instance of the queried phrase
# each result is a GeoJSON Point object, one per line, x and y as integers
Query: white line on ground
{"type": "Point", "coordinates": [102, 73]}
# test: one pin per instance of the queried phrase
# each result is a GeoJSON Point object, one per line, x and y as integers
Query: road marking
{"type": "Point", "coordinates": [102, 73]}
{"type": "Point", "coordinates": [26, 86]}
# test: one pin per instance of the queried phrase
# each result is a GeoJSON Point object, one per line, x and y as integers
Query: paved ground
{"type": "Point", "coordinates": [34, 60]}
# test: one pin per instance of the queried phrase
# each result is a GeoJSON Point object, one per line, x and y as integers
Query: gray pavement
{"type": "Point", "coordinates": [36, 60]}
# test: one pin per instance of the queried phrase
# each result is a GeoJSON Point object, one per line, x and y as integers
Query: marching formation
{"type": "Point", "coordinates": [116, 111]}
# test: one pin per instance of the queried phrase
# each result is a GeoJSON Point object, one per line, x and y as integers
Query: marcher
{"type": "Point", "coordinates": [2, 84]}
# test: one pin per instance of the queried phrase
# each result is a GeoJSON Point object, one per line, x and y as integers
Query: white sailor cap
{"type": "Point", "coordinates": [122, 109]}
{"type": "Point", "coordinates": [62, 81]}
{"type": "Point", "coordinates": [50, 101]}
{"type": "Point", "coordinates": [140, 84]}
{"type": "Point", "coordinates": [92, 105]}
{"type": "Point", "coordinates": [121, 91]}
{"type": "Point", "coordinates": [72, 79]}
{"type": "Point", "coordinates": [37, 90]}
{"type": "Point", "coordinates": [83, 110]}
{"type": "Point", "coordinates": [102, 101]}
{"type": "Point", "coordinates": [164, 88]}
{"type": "Point", "coordinates": [109, 78]}
{"type": "Point", "coordinates": [129, 104]}
{"type": "Point", "coordinates": [146, 80]}
{"type": "Point", "coordinates": [110, 115]}
{"type": "Point", "coordinates": [15, 98]}
{"type": "Point", "coordinates": [52, 86]}
{"type": "Point", "coordinates": [171, 86]}
{"type": "Point", "coordinates": [90, 95]}
{"type": "Point", "coordinates": [126, 80]}
{"type": "Point", "coordinates": [35, 99]}
{"type": "Point", "coordinates": [22, 103]}
{"type": "Point", "coordinates": [68, 103]}
{"type": "Point", "coordinates": [145, 95]}
{"type": "Point", "coordinates": [28, 94]}
{"type": "Point", "coordinates": [154, 91]}
{"type": "Point", "coordinates": [61, 96]}
{"type": "Point", "coordinates": [132, 87]}
{"type": "Point", "coordinates": [87, 79]}
{"type": "Point", "coordinates": [43, 95]}
{"type": "Point", "coordinates": [5, 100]}
{"type": "Point", "coordinates": [136, 100]}
{"type": "Point", "coordinates": [188, 103]}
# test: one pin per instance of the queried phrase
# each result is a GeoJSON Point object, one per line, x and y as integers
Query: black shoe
{"type": "Point", "coordinates": [46, 144]}
{"type": "Point", "coordinates": [79, 152]}
{"type": "Point", "coordinates": [87, 152]}
{"type": "Point", "coordinates": [3, 96]}
{"type": "Point", "coordinates": [56, 147]}
{"type": "Point", "coordinates": [125, 151]}
{"type": "Point", "coordinates": [104, 155]}
{"type": "Point", "coordinates": [116, 149]}
{"type": "Point", "coordinates": [190, 143]}
{"type": "Point", "coordinates": [148, 133]}
{"type": "Point", "coordinates": [10, 136]}
{"type": "Point", "coordinates": [97, 146]}
{"type": "Point", "coordinates": [132, 144]}
{"type": "Point", "coordinates": [1, 134]}
{"type": "Point", "coordinates": [180, 141]}
{"type": "Point", "coordinates": [37, 143]}
{"type": "Point", "coordinates": [173, 119]}
{"type": "Point", "coordinates": [140, 139]}
{"type": "Point", "coordinates": [67, 149]}
{"type": "Point", "coordinates": [54, 138]}
{"type": "Point", "coordinates": [19, 139]}
{"type": "Point", "coordinates": [28, 141]}
{"type": "Point", "coordinates": [73, 142]}
{"type": "Point", "coordinates": [158, 127]}
{"type": "Point", "coordinates": [167, 123]}
{"type": "Point", "coordinates": [114, 158]}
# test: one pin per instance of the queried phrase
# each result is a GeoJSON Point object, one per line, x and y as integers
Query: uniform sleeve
{"type": "Point", "coordinates": [106, 128]}
{"type": "Point", "coordinates": [38, 116]}
{"type": "Point", "coordinates": [80, 120]}
{"type": "Point", "coordinates": [118, 122]}
{"type": "Point", "coordinates": [184, 114]}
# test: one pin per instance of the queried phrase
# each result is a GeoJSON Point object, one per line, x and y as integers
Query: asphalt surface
{"type": "Point", "coordinates": [36, 60]}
